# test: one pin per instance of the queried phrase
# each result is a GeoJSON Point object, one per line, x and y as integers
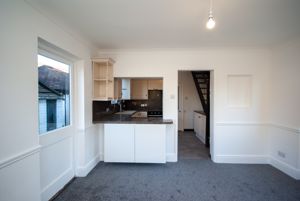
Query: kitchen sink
{"type": "Point", "coordinates": [139, 115]}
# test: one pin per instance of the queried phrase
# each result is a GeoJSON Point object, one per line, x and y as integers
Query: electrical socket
{"type": "Point", "coordinates": [281, 154]}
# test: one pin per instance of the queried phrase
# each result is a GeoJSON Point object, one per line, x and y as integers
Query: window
{"type": "Point", "coordinates": [54, 94]}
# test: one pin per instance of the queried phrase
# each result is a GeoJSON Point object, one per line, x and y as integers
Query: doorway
{"type": "Point", "coordinates": [194, 98]}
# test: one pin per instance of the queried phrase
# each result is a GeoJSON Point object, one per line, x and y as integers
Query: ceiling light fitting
{"type": "Point", "coordinates": [211, 21]}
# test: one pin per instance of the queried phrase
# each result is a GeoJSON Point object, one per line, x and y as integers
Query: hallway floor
{"type": "Point", "coordinates": [193, 178]}
{"type": "Point", "coordinates": [190, 147]}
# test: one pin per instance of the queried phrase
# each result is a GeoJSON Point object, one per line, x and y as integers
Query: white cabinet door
{"type": "Point", "coordinates": [118, 143]}
{"type": "Point", "coordinates": [203, 127]}
{"type": "Point", "coordinates": [199, 126]}
{"type": "Point", "coordinates": [150, 143]}
{"type": "Point", "coordinates": [196, 123]}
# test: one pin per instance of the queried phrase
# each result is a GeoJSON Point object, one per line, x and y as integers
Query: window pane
{"type": "Point", "coordinates": [54, 94]}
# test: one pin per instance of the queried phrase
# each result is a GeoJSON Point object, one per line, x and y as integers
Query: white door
{"type": "Point", "coordinates": [55, 124]}
{"type": "Point", "coordinates": [180, 107]}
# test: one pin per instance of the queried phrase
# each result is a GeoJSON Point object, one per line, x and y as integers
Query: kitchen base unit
{"type": "Point", "coordinates": [135, 143]}
{"type": "Point", "coordinates": [119, 143]}
{"type": "Point", "coordinates": [200, 125]}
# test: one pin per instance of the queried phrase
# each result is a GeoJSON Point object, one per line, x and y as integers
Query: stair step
{"type": "Point", "coordinates": [202, 75]}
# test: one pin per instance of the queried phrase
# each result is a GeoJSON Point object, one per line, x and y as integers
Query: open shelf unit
{"type": "Point", "coordinates": [103, 81]}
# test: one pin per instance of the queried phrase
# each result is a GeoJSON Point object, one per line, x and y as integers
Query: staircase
{"type": "Point", "coordinates": [202, 82]}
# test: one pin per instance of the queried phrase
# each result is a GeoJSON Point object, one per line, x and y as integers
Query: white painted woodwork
{"type": "Point", "coordinates": [150, 143]}
{"type": "Point", "coordinates": [180, 107]}
{"type": "Point", "coordinates": [200, 126]}
{"type": "Point", "coordinates": [139, 89]}
{"type": "Point", "coordinates": [155, 84]}
{"type": "Point", "coordinates": [118, 143]}
{"type": "Point", "coordinates": [189, 99]}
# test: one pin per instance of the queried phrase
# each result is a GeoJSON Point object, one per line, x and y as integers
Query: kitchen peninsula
{"type": "Point", "coordinates": [131, 112]}
{"type": "Point", "coordinates": [134, 139]}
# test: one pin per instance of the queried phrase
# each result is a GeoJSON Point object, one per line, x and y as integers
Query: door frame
{"type": "Point", "coordinates": [211, 108]}
{"type": "Point", "coordinates": [180, 107]}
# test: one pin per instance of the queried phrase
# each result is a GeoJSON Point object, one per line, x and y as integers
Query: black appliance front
{"type": "Point", "coordinates": [155, 103]}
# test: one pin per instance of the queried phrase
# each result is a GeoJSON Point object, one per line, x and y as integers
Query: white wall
{"type": "Point", "coordinates": [243, 131]}
{"type": "Point", "coordinates": [21, 25]}
{"type": "Point", "coordinates": [284, 132]}
{"type": "Point", "coordinates": [190, 97]}
{"type": "Point", "coordinates": [224, 61]}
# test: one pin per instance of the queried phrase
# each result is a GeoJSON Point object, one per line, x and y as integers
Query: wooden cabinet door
{"type": "Point", "coordinates": [118, 143]}
{"type": "Point", "coordinates": [139, 89]}
{"type": "Point", "coordinates": [150, 143]}
{"type": "Point", "coordinates": [155, 84]}
{"type": "Point", "coordinates": [118, 88]}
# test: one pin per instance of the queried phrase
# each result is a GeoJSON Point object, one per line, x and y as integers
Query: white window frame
{"type": "Point", "coordinates": [53, 54]}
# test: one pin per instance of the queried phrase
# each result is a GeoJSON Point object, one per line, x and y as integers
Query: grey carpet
{"type": "Point", "coordinates": [186, 180]}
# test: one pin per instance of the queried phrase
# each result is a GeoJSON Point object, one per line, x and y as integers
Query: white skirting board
{"type": "Point", "coordinates": [241, 159]}
{"type": "Point", "coordinates": [49, 191]}
{"type": "Point", "coordinates": [84, 170]}
{"type": "Point", "coordinates": [252, 159]}
{"type": "Point", "coordinates": [284, 167]}
{"type": "Point", "coordinates": [171, 157]}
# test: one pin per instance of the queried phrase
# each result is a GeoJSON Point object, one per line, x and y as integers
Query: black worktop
{"type": "Point", "coordinates": [127, 119]}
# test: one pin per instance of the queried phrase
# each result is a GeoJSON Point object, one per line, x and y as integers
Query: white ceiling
{"type": "Point", "coordinates": [177, 23]}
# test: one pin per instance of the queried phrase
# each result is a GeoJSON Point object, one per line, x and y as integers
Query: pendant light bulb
{"type": "Point", "coordinates": [211, 22]}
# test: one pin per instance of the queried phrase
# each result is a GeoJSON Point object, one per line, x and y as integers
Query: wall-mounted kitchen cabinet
{"type": "Point", "coordinates": [139, 89]}
{"type": "Point", "coordinates": [155, 84]}
{"type": "Point", "coordinates": [103, 82]}
{"type": "Point", "coordinates": [118, 88]}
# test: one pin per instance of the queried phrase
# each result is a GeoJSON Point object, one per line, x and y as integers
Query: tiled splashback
{"type": "Point", "coordinates": [101, 108]}
{"type": "Point", "coordinates": [139, 105]}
